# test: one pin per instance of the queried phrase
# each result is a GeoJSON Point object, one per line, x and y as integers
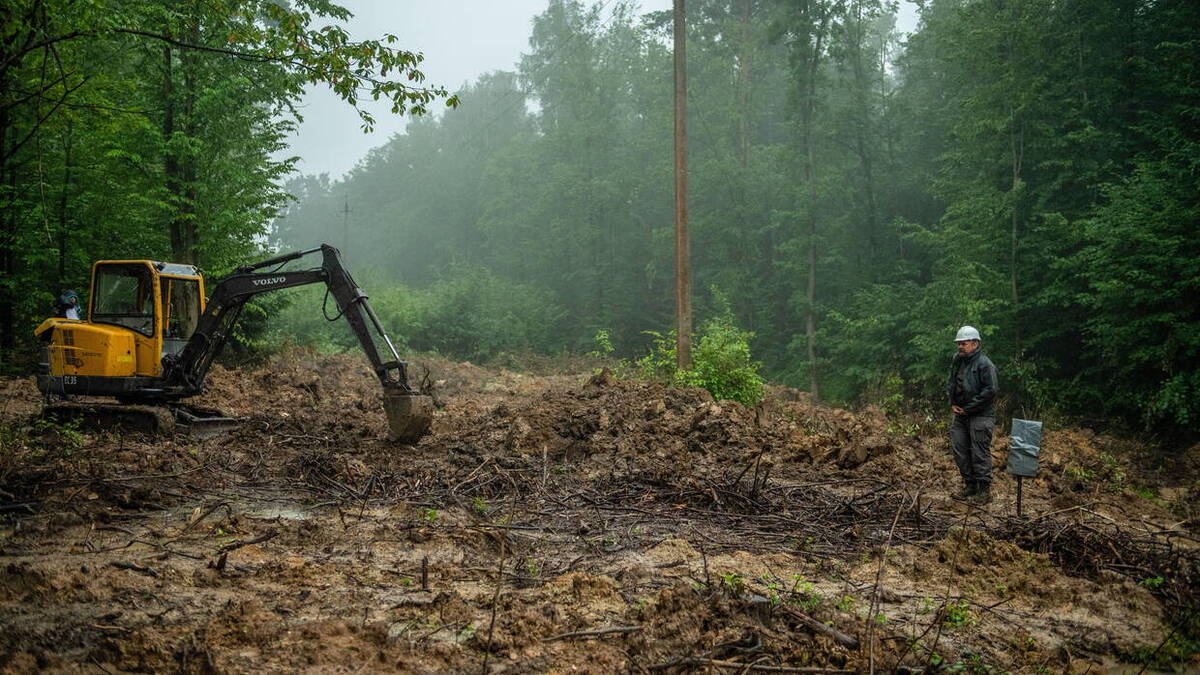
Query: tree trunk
{"type": "Point", "coordinates": [743, 82]}
{"type": "Point", "coordinates": [810, 318]}
{"type": "Point", "coordinates": [171, 166]}
{"type": "Point", "coordinates": [7, 232]}
{"type": "Point", "coordinates": [809, 120]}
{"type": "Point", "coordinates": [63, 202]}
{"type": "Point", "coordinates": [191, 130]}
{"type": "Point", "coordinates": [179, 166]}
{"type": "Point", "coordinates": [1017, 140]}
{"type": "Point", "coordinates": [862, 87]}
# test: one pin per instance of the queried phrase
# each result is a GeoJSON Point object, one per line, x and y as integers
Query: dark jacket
{"type": "Point", "coordinates": [973, 384]}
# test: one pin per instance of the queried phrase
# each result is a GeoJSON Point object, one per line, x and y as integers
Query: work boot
{"type": "Point", "coordinates": [966, 492]}
{"type": "Point", "coordinates": [983, 495]}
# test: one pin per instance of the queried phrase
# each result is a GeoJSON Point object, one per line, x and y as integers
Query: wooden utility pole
{"type": "Point", "coordinates": [683, 270]}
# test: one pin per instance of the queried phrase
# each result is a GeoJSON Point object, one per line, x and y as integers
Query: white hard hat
{"type": "Point", "coordinates": [966, 333]}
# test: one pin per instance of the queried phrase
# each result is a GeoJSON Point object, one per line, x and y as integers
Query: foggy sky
{"type": "Point", "coordinates": [461, 40]}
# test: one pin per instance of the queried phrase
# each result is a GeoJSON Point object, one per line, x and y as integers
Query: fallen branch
{"type": "Point", "coordinates": [201, 516]}
{"type": "Point", "coordinates": [700, 661]}
{"type": "Point", "coordinates": [233, 545]}
{"type": "Point", "coordinates": [133, 568]}
{"type": "Point", "coordinates": [844, 640]}
{"type": "Point", "coordinates": [593, 633]}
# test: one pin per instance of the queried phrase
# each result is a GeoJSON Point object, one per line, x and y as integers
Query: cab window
{"type": "Point", "coordinates": [124, 296]}
{"type": "Point", "coordinates": [181, 306]}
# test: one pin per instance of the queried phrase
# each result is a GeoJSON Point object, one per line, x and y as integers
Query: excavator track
{"type": "Point", "coordinates": [200, 423]}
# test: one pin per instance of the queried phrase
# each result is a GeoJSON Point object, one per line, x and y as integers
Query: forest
{"type": "Point", "coordinates": [855, 194]}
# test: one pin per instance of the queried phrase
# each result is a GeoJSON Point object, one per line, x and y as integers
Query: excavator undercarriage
{"type": "Point", "coordinates": [167, 418]}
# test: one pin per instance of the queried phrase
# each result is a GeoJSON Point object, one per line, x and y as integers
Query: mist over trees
{"type": "Point", "coordinates": [1024, 166]}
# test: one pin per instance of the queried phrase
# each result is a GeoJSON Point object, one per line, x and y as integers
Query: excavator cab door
{"type": "Point", "coordinates": [182, 303]}
{"type": "Point", "coordinates": [123, 295]}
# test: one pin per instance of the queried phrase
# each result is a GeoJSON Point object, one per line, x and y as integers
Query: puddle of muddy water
{"type": "Point", "coordinates": [281, 511]}
{"type": "Point", "coordinates": [255, 510]}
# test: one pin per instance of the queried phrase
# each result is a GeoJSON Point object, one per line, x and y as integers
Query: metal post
{"type": "Point", "coordinates": [1019, 480]}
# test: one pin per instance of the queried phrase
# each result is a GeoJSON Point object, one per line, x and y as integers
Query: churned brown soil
{"type": "Point", "coordinates": [577, 522]}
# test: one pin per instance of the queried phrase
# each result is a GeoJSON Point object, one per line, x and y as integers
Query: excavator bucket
{"type": "Point", "coordinates": [409, 415]}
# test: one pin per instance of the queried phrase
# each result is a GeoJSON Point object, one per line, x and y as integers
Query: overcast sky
{"type": "Point", "coordinates": [461, 40]}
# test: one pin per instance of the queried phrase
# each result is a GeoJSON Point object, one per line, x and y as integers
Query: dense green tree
{"type": "Point", "coordinates": [146, 129]}
{"type": "Point", "coordinates": [1136, 266]}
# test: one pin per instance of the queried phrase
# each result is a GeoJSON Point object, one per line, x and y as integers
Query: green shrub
{"type": "Point", "coordinates": [721, 362]}
{"type": "Point", "coordinates": [305, 318]}
{"type": "Point", "coordinates": [476, 315]}
{"type": "Point", "coordinates": [255, 336]}
{"type": "Point", "coordinates": [958, 614]}
{"type": "Point", "coordinates": [472, 315]}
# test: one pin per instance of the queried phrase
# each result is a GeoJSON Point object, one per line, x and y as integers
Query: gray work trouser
{"type": "Point", "coordinates": [971, 438]}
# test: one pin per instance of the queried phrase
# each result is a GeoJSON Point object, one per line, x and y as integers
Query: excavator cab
{"type": "Point", "coordinates": [138, 312]}
{"type": "Point", "coordinates": [150, 336]}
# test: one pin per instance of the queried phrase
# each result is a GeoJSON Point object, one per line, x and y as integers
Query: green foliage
{"type": "Point", "coordinates": [660, 363]}
{"type": "Point", "coordinates": [151, 129]}
{"type": "Point", "coordinates": [1141, 263]}
{"type": "Point", "coordinates": [1013, 172]}
{"type": "Point", "coordinates": [958, 614]}
{"type": "Point", "coordinates": [805, 594]}
{"type": "Point", "coordinates": [254, 336]}
{"type": "Point", "coordinates": [306, 313]}
{"type": "Point", "coordinates": [466, 633]}
{"type": "Point", "coordinates": [846, 603]}
{"type": "Point", "coordinates": [733, 583]}
{"type": "Point", "coordinates": [66, 435]}
{"type": "Point", "coordinates": [1079, 473]}
{"type": "Point", "coordinates": [604, 346]}
{"type": "Point", "coordinates": [476, 315]}
{"type": "Point", "coordinates": [1180, 646]}
{"type": "Point", "coordinates": [721, 362]}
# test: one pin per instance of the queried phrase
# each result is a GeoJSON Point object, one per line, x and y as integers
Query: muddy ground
{"type": "Point", "coordinates": [560, 523]}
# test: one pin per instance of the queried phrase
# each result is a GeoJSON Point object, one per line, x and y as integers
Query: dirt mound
{"type": "Point", "coordinates": [610, 431]}
{"type": "Point", "coordinates": [572, 521]}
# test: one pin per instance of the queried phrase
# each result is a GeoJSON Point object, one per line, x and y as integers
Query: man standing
{"type": "Point", "coordinates": [972, 392]}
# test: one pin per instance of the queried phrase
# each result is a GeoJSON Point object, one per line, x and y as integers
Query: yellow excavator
{"type": "Point", "coordinates": [149, 337]}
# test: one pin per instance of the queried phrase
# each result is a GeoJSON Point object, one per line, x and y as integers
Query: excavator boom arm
{"type": "Point", "coordinates": [188, 369]}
